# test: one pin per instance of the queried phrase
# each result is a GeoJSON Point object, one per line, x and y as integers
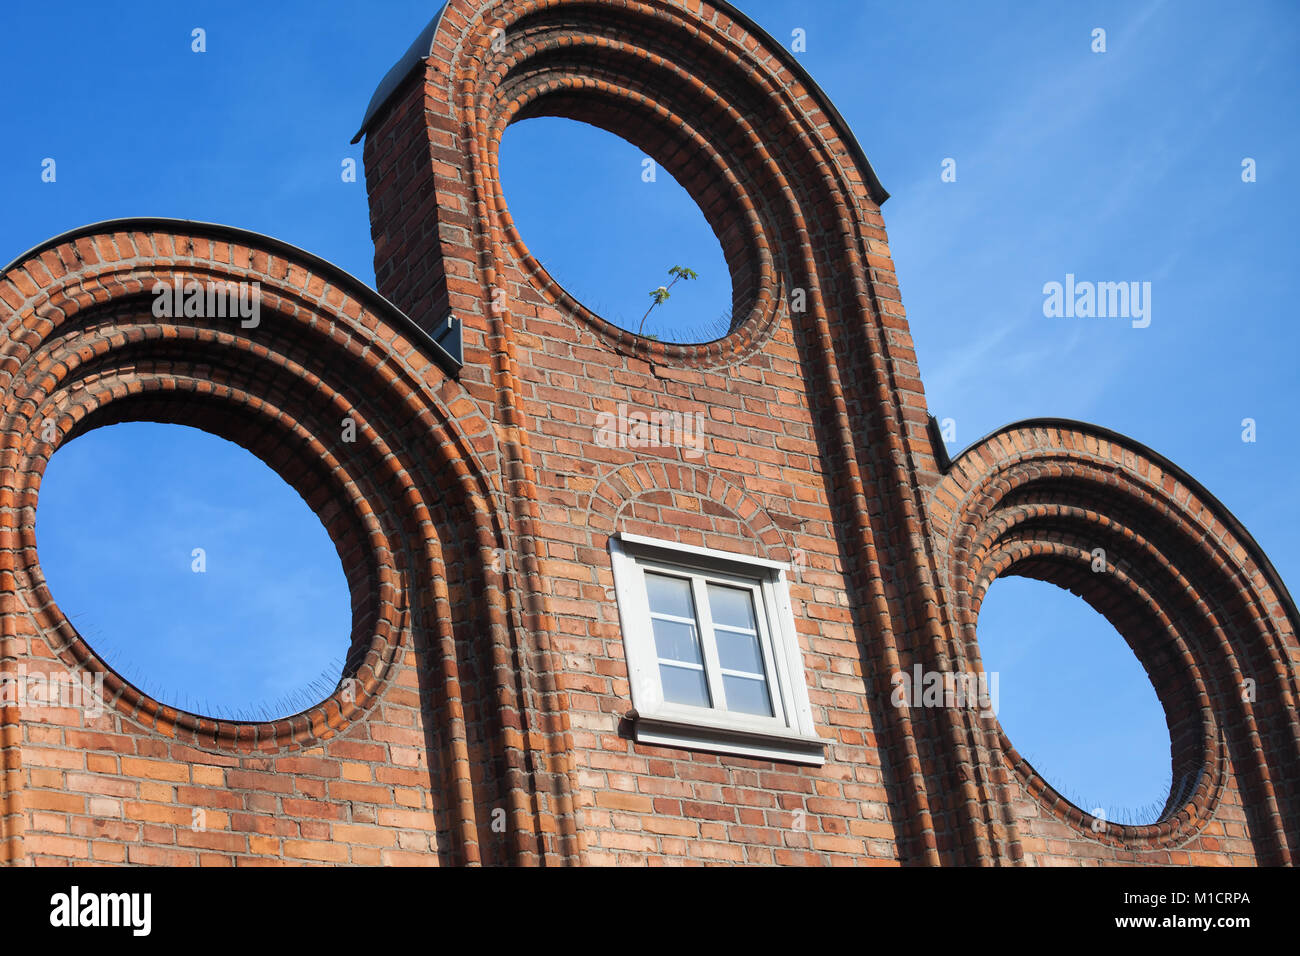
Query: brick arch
{"type": "Point", "coordinates": [1186, 587]}
{"type": "Point", "coordinates": [611, 79]}
{"type": "Point", "coordinates": [409, 504]}
{"type": "Point", "coordinates": [703, 91]}
{"type": "Point", "coordinates": [609, 507]}
{"type": "Point", "coordinates": [723, 133]}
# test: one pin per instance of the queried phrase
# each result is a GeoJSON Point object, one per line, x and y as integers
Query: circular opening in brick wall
{"type": "Point", "coordinates": [194, 571]}
{"type": "Point", "coordinates": [609, 224]}
{"type": "Point", "coordinates": [1075, 701]}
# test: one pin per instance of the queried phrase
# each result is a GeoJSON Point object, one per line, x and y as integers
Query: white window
{"type": "Point", "coordinates": [712, 656]}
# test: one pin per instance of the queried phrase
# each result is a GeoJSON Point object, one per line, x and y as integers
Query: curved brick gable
{"type": "Point", "coordinates": [483, 715]}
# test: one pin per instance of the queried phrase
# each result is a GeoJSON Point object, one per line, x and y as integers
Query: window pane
{"type": "Point", "coordinates": [685, 686]}
{"type": "Point", "coordinates": [739, 652]}
{"type": "Point", "coordinates": [732, 607]}
{"type": "Point", "coordinates": [669, 595]}
{"type": "Point", "coordinates": [676, 641]}
{"type": "Point", "coordinates": [747, 696]}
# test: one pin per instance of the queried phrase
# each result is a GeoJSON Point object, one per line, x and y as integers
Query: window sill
{"type": "Point", "coordinates": [790, 747]}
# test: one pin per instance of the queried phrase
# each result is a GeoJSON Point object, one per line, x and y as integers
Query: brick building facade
{"type": "Point", "coordinates": [503, 701]}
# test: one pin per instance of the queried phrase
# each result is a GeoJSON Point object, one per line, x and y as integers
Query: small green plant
{"type": "Point", "coordinates": [661, 294]}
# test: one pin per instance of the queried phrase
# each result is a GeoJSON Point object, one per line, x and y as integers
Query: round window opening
{"type": "Point", "coordinates": [1075, 701]}
{"type": "Point", "coordinates": [194, 571]}
{"type": "Point", "coordinates": [616, 230]}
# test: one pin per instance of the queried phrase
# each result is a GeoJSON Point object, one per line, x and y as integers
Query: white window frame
{"type": "Point", "coordinates": [790, 735]}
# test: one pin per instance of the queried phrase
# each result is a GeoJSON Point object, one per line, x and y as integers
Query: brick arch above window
{"type": "Point", "coordinates": [652, 497]}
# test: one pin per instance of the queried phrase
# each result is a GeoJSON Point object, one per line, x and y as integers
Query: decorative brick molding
{"type": "Point", "coordinates": [483, 711]}
{"type": "Point", "coordinates": [410, 504]}
{"type": "Point", "coordinates": [1199, 604]}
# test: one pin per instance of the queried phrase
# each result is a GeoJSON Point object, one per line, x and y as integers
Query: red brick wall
{"type": "Point", "coordinates": [483, 718]}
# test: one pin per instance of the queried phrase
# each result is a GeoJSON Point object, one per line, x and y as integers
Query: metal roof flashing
{"type": "Point", "coordinates": [946, 462]}
{"type": "Point", "coordinates": [415, 54]}
{"type": "Point", "coordinates": [443, 343]}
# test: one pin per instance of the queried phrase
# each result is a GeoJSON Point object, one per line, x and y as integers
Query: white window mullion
{"type": "Point", "coordinates": [709, 644]}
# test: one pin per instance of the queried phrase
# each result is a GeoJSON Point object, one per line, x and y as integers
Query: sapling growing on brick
{"type": "Point", "coordinates": [661, 294]}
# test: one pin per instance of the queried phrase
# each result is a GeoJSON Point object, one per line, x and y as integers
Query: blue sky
{"type": "Point", "coordinates": [183, 560]}
{"type": "Point", "coordinates": [1115, 166]}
